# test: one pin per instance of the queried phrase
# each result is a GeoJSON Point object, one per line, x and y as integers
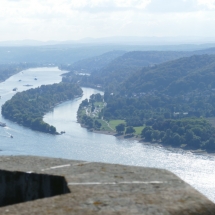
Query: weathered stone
{"type": "Point", "coordinates": [98, 188]}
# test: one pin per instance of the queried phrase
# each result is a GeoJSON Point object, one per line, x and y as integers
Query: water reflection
{"type": "Point", "coordinates": [79, 144]}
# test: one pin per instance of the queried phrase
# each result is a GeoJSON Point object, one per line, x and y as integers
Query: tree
{"type": "Point", "coordinates": [195, 142]}
{"type": "Point", "coordinates": [148, 135]}
{"type": "Point", "coordinates": [120, 128]}
{"type": "Point", "coordinates": [97, 124]}
{"type": "Point", "coordinates": [147, 128]}
{"type": "Point", "coordinates": [84, 103]}
{"type": "Point", "coordinates": [189, 135]}
{"type": "Point", "coordinates": [52, 129]}
{"type": "Point", "coordinates": [176, 140]}
{"type": "Point", "coordinates": [210, 145]}
{"type": "Point", "coordinates": [130, 130]}
{"type": "Point", "coordinates": [93, 107]}
{"type": "Point", "coordinates": [156, 135]}
{"type": "Point", "coordinates": [162, 134]}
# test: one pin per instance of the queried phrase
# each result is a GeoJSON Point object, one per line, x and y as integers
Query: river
{"type": "Point", "coordinates": [79, 144]}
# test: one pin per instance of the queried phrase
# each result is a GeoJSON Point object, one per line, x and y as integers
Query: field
{"type": "Point", "coordinates": [138, 130]}
{"type": "Point", "coordinates": [104, 126]}
{"type": "Point", "coordinates": [114, 123]}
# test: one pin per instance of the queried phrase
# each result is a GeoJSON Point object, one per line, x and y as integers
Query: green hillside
{"type": "Point", "coordinates": [93, 64]}
{"type": "Point", "coordinates": [149, 67]}
{"type": "Point", "coordinates": [179, 76]}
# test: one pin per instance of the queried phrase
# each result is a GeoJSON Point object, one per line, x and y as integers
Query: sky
{"type": "Point", "coordinates": [62, 20]}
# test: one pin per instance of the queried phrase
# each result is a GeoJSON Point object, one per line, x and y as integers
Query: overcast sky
{"type": "Point", "coordinates": [75, 19]}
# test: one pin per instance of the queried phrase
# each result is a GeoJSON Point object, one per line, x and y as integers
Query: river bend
{"type": "Point", "coordinates": [79, 144]}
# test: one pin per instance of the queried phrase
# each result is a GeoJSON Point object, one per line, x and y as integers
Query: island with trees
{"type": "Point", "coordinates": [28, 107]}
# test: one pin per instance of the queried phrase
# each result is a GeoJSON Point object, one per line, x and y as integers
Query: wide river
{"type": "Point", "coordinates": [79, 144]}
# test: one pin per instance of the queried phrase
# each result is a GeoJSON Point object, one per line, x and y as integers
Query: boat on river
{"type": "Point", "coordinates": [2, 124]}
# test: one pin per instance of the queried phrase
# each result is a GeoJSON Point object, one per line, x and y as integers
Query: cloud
{"type": "Point", "coordinates": [101, 6]}
{"type": "Point", "coordinates": [209, 4]}
{"type": "Point", "coordinates": [179, 6]}
{"type": "Point", "coordinates": [74, 19]}
{"type": "Point", "coordinates": [173, 6]}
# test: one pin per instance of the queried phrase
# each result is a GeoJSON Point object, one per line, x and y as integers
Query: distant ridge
{"type": "Point", "coordinates": [121, 40]}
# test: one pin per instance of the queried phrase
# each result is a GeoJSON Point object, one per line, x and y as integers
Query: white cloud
{"type": "Point", "coordinates": [209, 4]}
{"type": "Point", "coordinates": [173, 6]}
{"type": "Point", "coordinates": [101, 6]}
{"type": "Point", "coordinates": [74, 19]}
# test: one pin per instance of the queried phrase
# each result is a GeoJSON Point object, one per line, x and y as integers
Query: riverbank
{"type": "Point", "coordinates": [190, 134]}
{"type": "Point", "coordinates": [154, 143]}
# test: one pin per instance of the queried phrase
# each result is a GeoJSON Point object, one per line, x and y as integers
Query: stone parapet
{"type": "Point", "coordinates": [99, 188]}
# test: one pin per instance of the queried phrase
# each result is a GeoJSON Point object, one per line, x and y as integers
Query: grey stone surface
{"type": "Point", "coordinates": [98, 188]}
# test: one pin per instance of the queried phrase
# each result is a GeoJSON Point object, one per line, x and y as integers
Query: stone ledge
{"type": "Point", "coordinates": [98, 188]}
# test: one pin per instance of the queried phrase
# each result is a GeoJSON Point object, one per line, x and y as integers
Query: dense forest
{"type": "Point", "coordinates": [120, 68]}
{"type": "Point", "coordinates": [93, 64]}
{"type": "Point", "coordinates": [107, 74]}
{"type": "Point", "coordinates": [27, 108]}
{"type": "Point", "coordinates": [185, 75]}
{"type": "Point", "coordinates": [129, 74]}
{"type": "Point", "coordinates": [176, 90]}
{"type": "Point", "coordinates": [182, 76]}
{"type": "Point", "coordinates": [182, 131]}
{"type": "Point", "coordinates": [188, 133]}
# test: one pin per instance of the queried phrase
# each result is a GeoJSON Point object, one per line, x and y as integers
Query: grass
{"type": "Point", "coordinates": [81, 112]}
{"type": "Point", "coordinates": [104, 126]}
{"type": "Point", "coordinates": [138, 130]}
{"type": "Point", "coordinates": [101, 104]}
{"type": "Point", "coordinates": [114, 123]}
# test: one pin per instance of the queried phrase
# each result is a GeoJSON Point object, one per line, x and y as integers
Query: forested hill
{"type": "Point", "coordinates": [179, 76]}
{"type": "Point", "coordinates": [123, 66]}
{"type": "Point", "coordinates": [108, 73]}
{"type": "Point", "coordinates": [204, 51]}
{"type": "Point", "coordinates": [137, 59]}
{"type": "Point", "coordinates": [93, 64]}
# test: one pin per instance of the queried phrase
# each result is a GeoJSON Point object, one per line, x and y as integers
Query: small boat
{"type": "Point", "coordinates": [2, 124]}
{"type": "Point", "coordinates": [15, 89]}
{"type": "Point", "coordinates": [11, 136]}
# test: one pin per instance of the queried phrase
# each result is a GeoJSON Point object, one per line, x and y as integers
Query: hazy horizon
{"type": "Point", "coordinates": [64, 20]}
{"type": "Point", "coordinates": [132, 40]}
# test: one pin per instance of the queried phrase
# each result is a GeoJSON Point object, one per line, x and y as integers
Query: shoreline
{"type": "Point", "coordinates": [157, 144]}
